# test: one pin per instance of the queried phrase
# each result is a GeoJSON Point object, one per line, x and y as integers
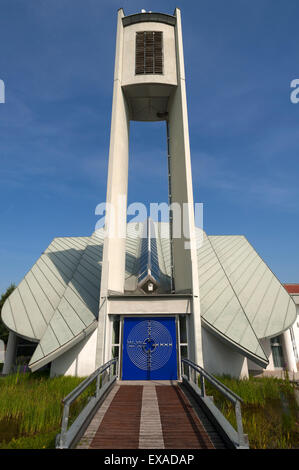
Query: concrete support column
{"type": "Point", "coordinates": [10, 354]}
{"type": "Point", "coordinates": [113, 272]}
{"type": "Point", "coordinates": [184, 257]}
{"type": "Point", "coordinates": [288, 352]}
{"type": "Point", "coordinates": [114, 252]}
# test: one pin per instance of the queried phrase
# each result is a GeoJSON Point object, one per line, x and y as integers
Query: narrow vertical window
{"type": "Point", "coordinates": [183, 341]}
{"type": "Point", "coordinates": [116, 342]}
{"type": "Point", "coordinates": [277, 353]}
{"type": "Point", "coordinates": [149, 54]}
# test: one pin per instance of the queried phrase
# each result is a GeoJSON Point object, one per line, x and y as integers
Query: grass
{"type": "Point", "coordinates": [31, 408]}
{"type": "Point", "coordinates": [40, 441]}
{"type": "Point", "coordinates": [270, 412]}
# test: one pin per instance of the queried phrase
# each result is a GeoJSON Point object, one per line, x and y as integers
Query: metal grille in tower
{"type": "Point", "coordinates": [149, 55]}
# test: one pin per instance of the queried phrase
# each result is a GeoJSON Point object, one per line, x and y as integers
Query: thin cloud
{"type": "Point", "coordinates": [208, 172]}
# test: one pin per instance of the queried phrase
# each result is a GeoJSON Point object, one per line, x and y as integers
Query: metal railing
{"type": "Point", "coordinates": [199, 373]}
{"type": "Point", "coordinates": [104, 377]}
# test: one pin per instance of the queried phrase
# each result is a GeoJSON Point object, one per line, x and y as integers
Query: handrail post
{"type": "Point", "coordinates": [202, 385]}
{"type": "Point", "coordinates": [64, 423]}
{"type": "Point", "coordinates": [240, 439]}
{"type": "Point", "coordinates": [98, 385]}
{"type": "Point", "coordinates": [239, 424]}
{"type": "Point", "coordinates": [66, 435]}
{"type": "Point", "coordinates": [195, 377]}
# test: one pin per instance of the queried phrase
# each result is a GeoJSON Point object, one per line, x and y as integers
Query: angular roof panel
{"type": "Point", "coordinates": [76, 314]}
{"type": "Point", "coordinates": [57, 302]}
{"type": "Point", "coordinates": [30, 307]}
{"type": "Point", "coordinates": [266, 303]}
{"type": "Point", "coordinates": [221, 309]}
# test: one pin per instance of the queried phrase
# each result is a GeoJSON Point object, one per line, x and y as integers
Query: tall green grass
{"type": "Point", "coordinates": [31, 409]}
{"type": "Point", "coordinates": [270, 412]}
{"type": "Point", "coordinates": [36, 441]}
{"type": "Point", "coordinates": [31, 404]}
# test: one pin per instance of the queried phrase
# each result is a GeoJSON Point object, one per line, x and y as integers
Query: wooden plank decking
{"type": "Point", "coordinates": [146, 416]}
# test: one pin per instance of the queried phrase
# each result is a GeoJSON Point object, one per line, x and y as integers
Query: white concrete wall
{"type": "Point", "coordinates": [221, 359]}
{"type": "Point", "coordinates": [113, 273]}
{"type": "Point", "coordinates": [287, 351]}
{"type": "Point", "coordinates": [78, 361]}
{"type": "Point", "coordinates": [113, 265]}
{"type": "Point", "coordinates": [10, 355]}
{"type": "Point", "coordinates": [169, 75]}
{"type": "Point", "coordinates": [295, 327]}
{"type": "Point", "coordinates": [295, 330]}
{"type": "Point", "coordinates": [2, 351]}
{"type": "Point", "coordinates": [184, 258]}
{"type": "Point", "coordinates": [252, 366]}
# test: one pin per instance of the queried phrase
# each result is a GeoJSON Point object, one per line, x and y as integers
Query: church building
{"type": "Point", "coordinates": [141, 292]}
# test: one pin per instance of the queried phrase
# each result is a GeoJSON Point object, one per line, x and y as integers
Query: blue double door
{"type": "Point", "coordinates": [149, 349]}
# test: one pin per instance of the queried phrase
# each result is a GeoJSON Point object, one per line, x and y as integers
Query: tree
{"type": "Point", "coordinates": [4, 332]}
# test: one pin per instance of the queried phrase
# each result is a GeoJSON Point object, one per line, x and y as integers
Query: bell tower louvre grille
{"type": "Point", "coordinates": [149, 56]}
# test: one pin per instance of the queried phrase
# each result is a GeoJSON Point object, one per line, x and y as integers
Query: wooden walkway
{"type": "Point", "coordinates": [147, 416]}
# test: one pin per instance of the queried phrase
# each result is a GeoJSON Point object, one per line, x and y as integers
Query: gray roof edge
{"type": "Point", "coordinates": [2, 315]}
{"type": "Point", "coordinates": [64, 348]}
{"type": "Point", "coordinates": [278, 332]}
{"type": "Point", "coordinates": [7, 302]}
{"type": "Point", "coordinates": [150, 296]}
{"type": "Point", "coordinates": [233, 289]}
{"type": "Point", "coordinates": [15, 329]}
{"type": "Point", "coordinates": [152, 17]}
{"type": "Point", "coordinates": [225, 339]}
{"type": "Point", "coordinates": [19, 335]}
{"type": "Point", "coordinates": [273, 335]}
{"type": "Point", "coordinates": [291, 299]}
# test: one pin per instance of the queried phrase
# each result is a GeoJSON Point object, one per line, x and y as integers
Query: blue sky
{"type": "Point", "coordinates": [57, 62]}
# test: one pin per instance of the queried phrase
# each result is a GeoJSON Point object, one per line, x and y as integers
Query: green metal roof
{"type": "Point", "coordinates": [57, 302]}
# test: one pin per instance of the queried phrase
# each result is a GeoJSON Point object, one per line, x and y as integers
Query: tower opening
{"type": "Point", "coordinates": [147, 175]}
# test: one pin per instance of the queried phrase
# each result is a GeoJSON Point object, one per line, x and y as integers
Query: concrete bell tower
{"type": "Point", "coordinates": [149, 85]}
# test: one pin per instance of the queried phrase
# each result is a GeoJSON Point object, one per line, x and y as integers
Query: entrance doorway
{"type": "Point", "coordinates": [149, 349]}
